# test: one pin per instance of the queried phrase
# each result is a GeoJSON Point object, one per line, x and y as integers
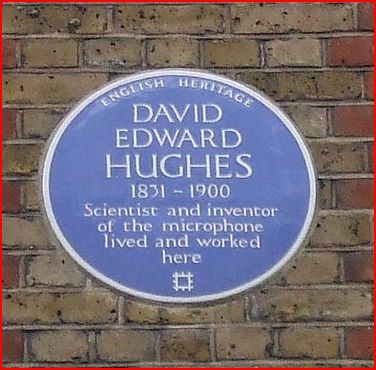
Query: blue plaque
{"type": "Point", "coordinates": [178, 186]}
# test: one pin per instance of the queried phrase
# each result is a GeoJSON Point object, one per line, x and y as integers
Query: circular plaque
{"type": "Point", "coordinates": [178, 186]}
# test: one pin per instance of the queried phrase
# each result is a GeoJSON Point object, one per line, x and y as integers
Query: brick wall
{"type": "Point", "coordinates": [316, 61]}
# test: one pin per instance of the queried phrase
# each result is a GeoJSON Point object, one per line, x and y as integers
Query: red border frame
{"type": "Point", "coordinates": [182, 1]}
{"type": "Point", "coordinates": [176, 1]}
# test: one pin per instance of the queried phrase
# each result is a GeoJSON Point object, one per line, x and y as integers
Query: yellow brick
{"type": "Point", "coordinates": [312, 121]}
{"type": "Point", "coordinates": [341, 230]}
{"type": "Point", "coordinates": [314, 304]}
{"type": "Point", "coordinates": [25, 232]}
{"type": "Point", "coordinates": [21, 159]}
{"type": "Point", "coordinates": [312, 268]}
{"type": "Point", "coordinates": [306, 85]}
{"type": "Point", "coordinates": [57, 308]}
{"type": "Point", "coordinates": [57, 269]}
{"type": "Point", "coordinates": [59, 346]}
{"type": "Point", "coordinates": [126, 345]}
{"type": "Point", "coordinates": [161, 19]}
{"type": "Point", "coordinates": [185, 345]}
{"type": "Point", "coordinates": [309, 342]}
{"type": "Point", "coordinates": [290, 17]}
{"type": "Point", "coordinates": [50, 53]}
{"type": "Point", "coordinates": [294, 52]}
{"type": "Point", "coordinates": [232, 53]}
{"type": "Point", "coordinates": [242, 343]}
{"type": "Point", "coordinates": [49, 88]}
{"type": "Point", "coordinates": [232, 312]}
{"type": "Point", "coordinates": [113, 52]}
{"type": "Point", "coordinates": [49, 18]}
{"type": "Point", "coordinates": [175, 315]}
{"type": "Point", "coordinates": [40, 123]}
{"type": "Point", "coordinates": [172, 53]}
{"type": "Point", "coordinates": [338, 157]}
{"type": "Point", "coordinates": [137, 312]}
